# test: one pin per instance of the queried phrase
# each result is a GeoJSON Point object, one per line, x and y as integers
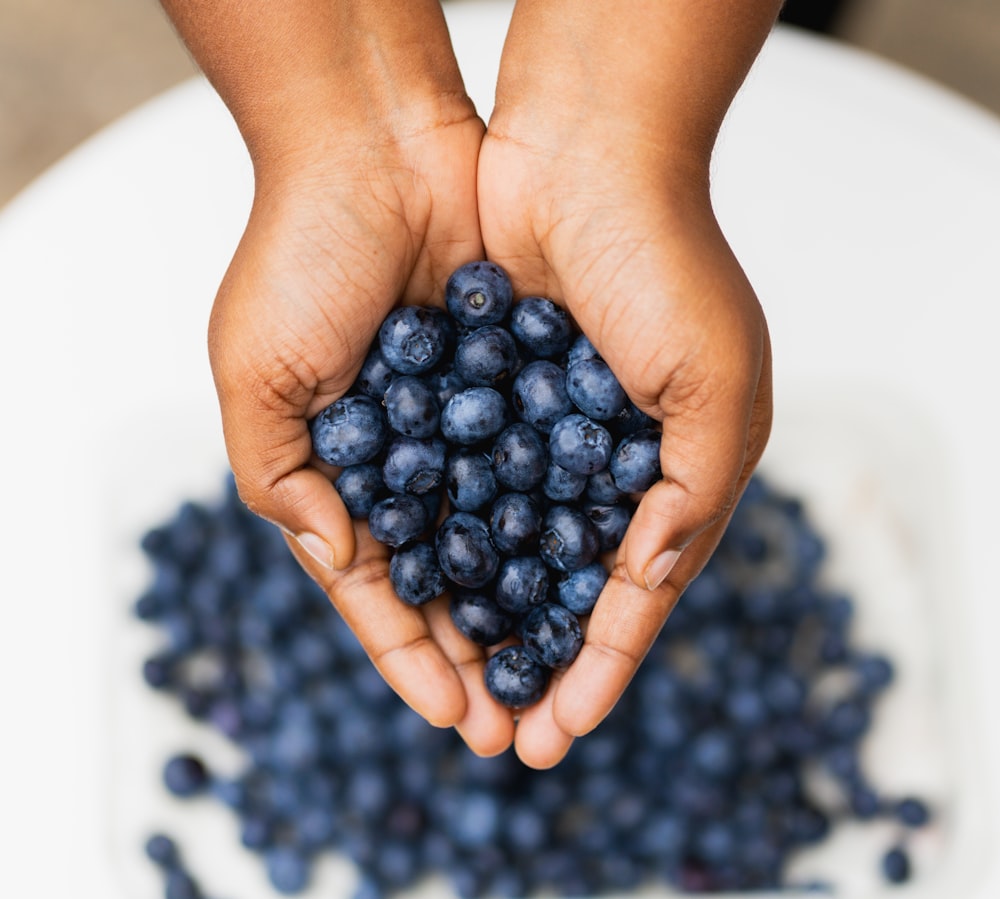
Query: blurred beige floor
{"type": "Point", "coordinates": [68, 67]}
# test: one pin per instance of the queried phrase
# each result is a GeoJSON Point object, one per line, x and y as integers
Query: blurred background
{"type": "Point", "coordinates": [68, 67]}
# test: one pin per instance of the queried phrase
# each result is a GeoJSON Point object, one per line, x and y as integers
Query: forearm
{"type": "Point", "coordinates": [298, 73]}
{"type": "Point", "coordinates": [658, 71]}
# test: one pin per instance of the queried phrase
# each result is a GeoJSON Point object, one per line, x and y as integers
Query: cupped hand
{"type": "Point", "coordinates": [335, 239]}
{"type": "Point", "coordinates": [621, 232]}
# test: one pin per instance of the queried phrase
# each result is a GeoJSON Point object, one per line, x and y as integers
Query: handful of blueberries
{"type": "Point", "coordinates": [509, 413]}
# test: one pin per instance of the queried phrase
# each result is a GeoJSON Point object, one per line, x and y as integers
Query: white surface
{"type": "Point", "coordinates": [865, 206]}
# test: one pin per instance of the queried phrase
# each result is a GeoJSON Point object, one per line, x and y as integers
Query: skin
{"type": "Point", "coordinates": [374, 179]}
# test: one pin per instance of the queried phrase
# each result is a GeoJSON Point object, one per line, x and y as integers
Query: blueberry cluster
{"type": "Point", "coordinates": [177, 880]}
{"type": "Point", "coordinates": [736, 745]}
{"type": "Point", "coordinates": [503, 419]}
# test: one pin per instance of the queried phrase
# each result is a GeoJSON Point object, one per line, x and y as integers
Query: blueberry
{"type": "Point", "coordinates": [580, 445]}
{"type": "Point", "coordinates": [360, 487]}
{"type": "Point", "coordinates": [630, 420]}
{"type": "Point", "coordinates": [580, 589]}
{"type": "Point", "coordinates": [514, 678]}
{"type": "Point", "coordinates": [180, 884]}
{"type": "Point", "coordinates": [473, 415]}
{"type": "Point", "coordinates": [515, 523]}
{"type": "Point", "coordinates": [185, 775]}
{"type": "Point", "coordinates": [486, 357]}
{"type": "Point", "coordinates": [568, 540]}
{"type": "Point", "coordinates": [541, 326]}
{"type": "Point", "coordinates": [375, 376]}
{"type": "Point", "coordinates": [465, 552]}
{"type": "Point", "coordinates": [874, 673]}
{"type": "Point", "coordinates": [412, 339]}
{"type": "Point", "coordinates": [580, 350]}
{"type": "Point", "coordinates": [601, 489]}
{"type": "Point", "coordinates": [412, 407]}
{"type": "Point", "coordinates": [635, 462]}
{"type": "Point", "coordinates": [912, 812]}
{"type": "Point", "coordinates": [287, 870]}
{"type": "Point", "coordinates": [479, 293]}
{"type": "Point", "coordinates": [413, 466]}
{"type": "Point", "coordinates": [610, 522]}
{"type": "Point", "coordinates": [539, 395]}
{"type": "Point", "coordinates": [480, 618]}
{"type": "Point", "coordinates": [519, 457]}
{"type": "Point", "coordinates": [896, 865]}
{"type": "Point", "coordinates": [444, 384]}
{"type": "Point", "coordinates": [562, 486]}
{"type": "Point", "coordinates": [349, 431]}
{"type": "Point", "coordinates": [162, 850]}
{"type": "Point", "coordinates": [470, 480]}
{"type": "Point", "coordinates": [416, 575]}
{"type": "Point", "coordinates": [398, 519]}
{"type": "Point", "coordinates": [522, 584]}
{"type": "Point", "coordinates": [552, 634]}
{"type": "Point", "coordinates": [594, 389]}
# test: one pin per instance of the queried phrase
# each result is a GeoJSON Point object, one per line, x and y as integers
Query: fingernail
{"type": "Point", "coordinates": [656, 571]}
{"type": "Point", "coordinates": [318, 549]}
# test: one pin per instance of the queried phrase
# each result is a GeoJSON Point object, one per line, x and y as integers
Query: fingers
{"type": "Point", "coordinates": [540, 742]}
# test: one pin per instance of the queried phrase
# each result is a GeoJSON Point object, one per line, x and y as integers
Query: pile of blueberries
{"type": "Point", "coordinates": [495, 452]}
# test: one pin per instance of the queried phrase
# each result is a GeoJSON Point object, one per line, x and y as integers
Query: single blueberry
{"type": "Point", "coordinates": [552, 634]}
{"type": "Point", "coordinates": [522, 584]}
{"type": "Point", "coordinates": [416, 575]}
{"type": "Point", "coordinates": [480, 618]}
{"type": "Point", "coordinates": [349, 431]}
{"type": "Point", "coordinates": [580, 445]}
{"type": "Point", "coordinates": [185, 775]}
{"type": "Point", "coordinates": [515, 523]}
{"type": "Point", "coordinates": [580, 589]}
{"type": "Point", "coordinates": [464, 549]}
{"type": "Point", "coordinates": [635, 462]}
{"type": "Point", "coordinates": [411, 407]}
{"type": "Point", "coordinates": [594, 389]}
{"type": "Point", "coordinates": [413, 465]}
{"type": "Point", "coordinates": [412, 339]}
{"type": "Point", "coordinates": [179, 884]}
{"type": "Point", "coordinates": [514, 678]}
{"type": "Point", "coordinates": [630, 420]}
{"type": "Point", "coordinates": [519, 457]}
{"type": "Point", "coordinates": [287, 870]}
{"type": "Point", "coordinates": [375, 376]}
{"type": "Point", "coordinates": [569, 540]}
{"type": "Point", "coordinates": [473, 415]}
{"type": "Point", "coordinates": [397, 519]}
{"type": "Point", "coordinates": [478, 293]}
{"type": "Point", "coordinates": [486, 357]}
{"type": "Point", "coordinates": [360, 487]}
{"type": "Point", "coordinates": [541, 326]}
{"type": "Point", "coordinates": [539, 395]}
{"type": "Point", "coordinates": [912, 812]}
{"type": "Point", "coordinates": [562, 486]}
{"type": "Point", "coordinates": [874, 673]}
{"type": "Point", "coordinates": [581, 349]}
{"type": "Point", "coordinates": [610, 522]}
{"type": "Point", "coordinates": [601, 489]}
{"type": "Point", "coordinates": [470, 480]}
{"type": "Point", "coordinates": [162, 850]}
{"type": "Point", "coordinates": [896, 865]}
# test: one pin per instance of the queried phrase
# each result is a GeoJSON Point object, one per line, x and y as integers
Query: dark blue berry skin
{"type": "Point", "coordinates": [287, 870]}
{"type": "Point", "coordinates": [594, 389]}
{"type": "Point", "coordinates": [635, 462]}
{"type": "Point", "coordinates": [601, 489]}
{"type": "Point", "coordinates": [185, 775]}
{"type": "Point", "coordinates": [569, 540]}
{"type": "Point", "coordinates": [514, 678]}
{"type": "Point", "coordinates": [465, 552]}
{"type": "Point", "coordinates": [896, 865]}
{"type": "Point", "coordinates": [486, 357]}
{"type": "Point", "coordinates": [539, 395]}
{"type": "Point", "coordinates": [541, 326]}
{"type": "Point", "coordinates": [411, 407]}
{"type": "Point", "coordinates": [562, 486]}
{"type": "Point", "coordinates": [912, 812]}
{"type": "Point", "coordinates": [444, 384]}
{"type": "Point", "coordinates": [479, 293]}
{"type": "Point", "coordinates": [397, 519]}
{"type": "Point", "coordinates": [412, 339]}
{"type": "Point", "coordinates": [162, 850]}
{"type": "Point", "coordinates": [515, 524]}
{"type": "Point", "coordinates": [375, 376]}
{"type": "Point", "coordinates": [580, 445]}
{"type": "Point", "coordinates": [360, 487]}
{"type": "Point", "coordinates": [180, 885]}
{"type": "Point", "coordinates": [522, 584]}
{"type": "Point", "coordinates": [611, 522]}
{"type": "Point", "coordinates": [470, 480]}
{"type": "Point", "coordinates": [413, 466]}
{"type": "Point", "coordinates": [580, 350]}
{"type": "Point", "coordinates": [874, 673]}
{"type": "Point", "coordinates": [416, 575]}
{"type": "Point", "coordinates": [473, 415]}
{"type": "Point", "coordinates": [480, 618]}
{"type": "Point", "coordinates": [553, 635]}
{"type": "Point", "coordinates": [349, 431]}
{"type": "Point", "coordinates": [519, 457]}
{"type": "Point", "coordinates": [630, 420]}
{"type": "Point", "coordinates": [580, 589]}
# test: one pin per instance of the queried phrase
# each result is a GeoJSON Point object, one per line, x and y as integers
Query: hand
{"type": "Point", "coordinates": [622, 233]}
{"type": "Point", "coordinates": [328, 250]}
